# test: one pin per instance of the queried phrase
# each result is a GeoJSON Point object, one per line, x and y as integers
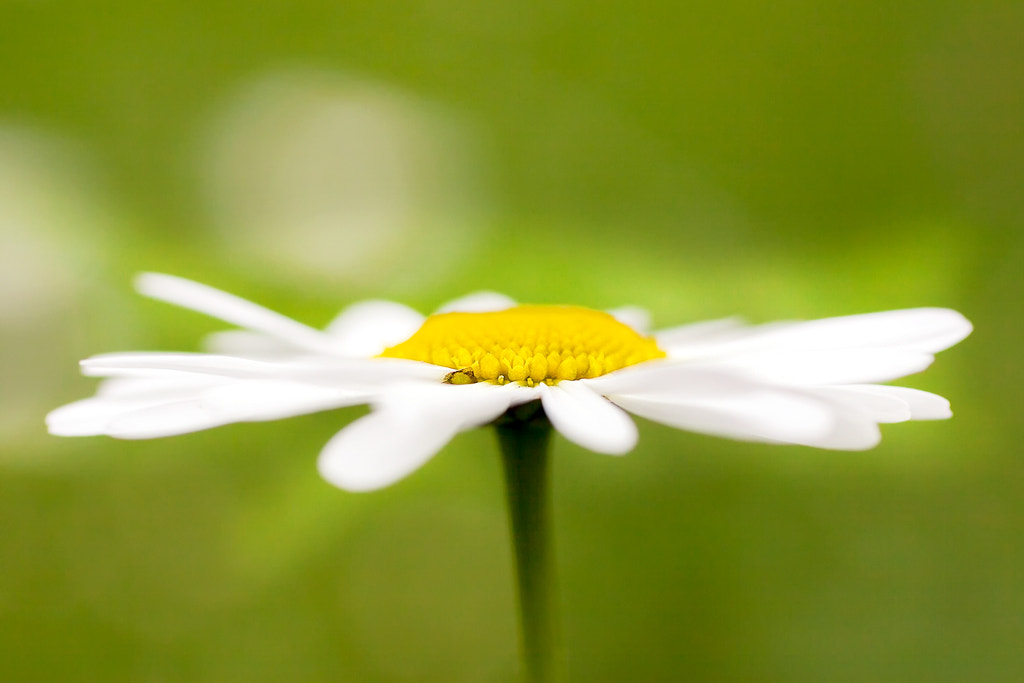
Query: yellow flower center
{"type": "Point", "coordinates": [526, 344]}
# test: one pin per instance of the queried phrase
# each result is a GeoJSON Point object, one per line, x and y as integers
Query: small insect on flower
{"type": "Point", "coordinates": [463, 376]}
{"type": "Point", "coordinates": [818, 383]}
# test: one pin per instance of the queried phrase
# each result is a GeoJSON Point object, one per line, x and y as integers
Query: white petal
{"type": "Point", "coordinates": [258, 400]}
{"type": "Point", "coordinates": [587, 419]}
{"type": "Point", "coordinates": [167, 419]}
{"type": "Point", "coordinates": [751, 414]}
{"type": "Point", "coordinates": [90, 416]}
{"type": "Point", "coordinates": [669, 376]}
{"type": "Point", "coordinates": [521, 394]}
{"type": "Point", "coordinates": [922, 405]}
{"type": "Point", "coordinates": [158, 362]}
{"type": "Point", "coordinates": [365, 374]}
{"type": "Point", "coordinates": [825, 366]}
{"type": "Point", "coordinates": [80, 418]}
{"type": "Point", "coordinates": [875, 406]}
{"type": "Point", "coordinates": [160, 388]}
{"type": "Point", "coordinates": [851, 432]}
{"type": "Point", "coordinates": [478, 302]}
{"type": "Point", "coordinates": [676, 381]}
{"type": "Point", "coordinates": [138, 419]}
{"type": "Point", "coordinates": [381, 448]}
{"type": "Point", "coordinates": [363, 330]}
{"type": "Point", "coordinates": [709, 331]}
{"type": "Point", "coordinates": [118, 397]}
{"type": "Point", "coordinates": [923, 330]}
{"type": "Point", "coordinates": [230, 308]}
{"type": "Point", "coordinates": [346, 373]}
{"type": "Point", "coordinates": [633, 316]}
{"type": "Point", "coordinates": [367, 328]}
{"type": "Point", "coordinates": [723, 403]}
{"type": "Point", "coordinates": [137, 409]}
{"type": "Point", "coordinates": [246, 344]}
{"type": "Point", "coordinates": [241, 401]}
{"type": "Point", "coordinates": [928, 330]}
{"type": "Point", "coordinates": [406, 429]}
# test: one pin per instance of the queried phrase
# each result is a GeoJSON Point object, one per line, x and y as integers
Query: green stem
{"type": "Point", "coordinates": [524, 433]}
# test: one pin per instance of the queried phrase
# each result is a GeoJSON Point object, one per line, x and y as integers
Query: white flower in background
{"type": "Point", "coordinates": [427, 379]}
{"type": "Point", "coordinates": [342, 179]}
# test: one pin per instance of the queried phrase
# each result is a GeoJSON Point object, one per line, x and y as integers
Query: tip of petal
{"type": "Point", "coordinates": [380, 449]}
{"type": "Point", "coordinates": [156, 284]}
{"type": "Point", "coordinates": [633, 316]}
{"type": "Point", "coordinates": [589, 419]}
{"type": "Point", "coordinates": [478, 302]}
{"type": "Point", "coordinates": [946, 327]}
{"type": "Point", "coordinates": [59, 424]}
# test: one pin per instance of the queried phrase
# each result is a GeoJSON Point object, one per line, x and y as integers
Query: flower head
{"type": "Point", "coordinates": [426, 379]}
{"type": "Point", "coordinates": [526, 344]}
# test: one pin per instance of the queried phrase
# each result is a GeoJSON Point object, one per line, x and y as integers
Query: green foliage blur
{"type": "Point", "coordinates": [774, 160]}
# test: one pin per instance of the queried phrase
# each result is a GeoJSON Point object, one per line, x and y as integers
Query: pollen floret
{"type": "Point", "coordinates": [526, 344]}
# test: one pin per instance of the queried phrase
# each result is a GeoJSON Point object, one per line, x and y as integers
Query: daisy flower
{"type": "Point", "coordinates": [815, 383]}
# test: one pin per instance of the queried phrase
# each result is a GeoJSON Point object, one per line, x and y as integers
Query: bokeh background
{"type": "Point", "coordinates": [792, 159]}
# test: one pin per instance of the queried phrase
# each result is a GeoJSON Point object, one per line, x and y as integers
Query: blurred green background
{"type": "Point", "coordinates": [777, 160]}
